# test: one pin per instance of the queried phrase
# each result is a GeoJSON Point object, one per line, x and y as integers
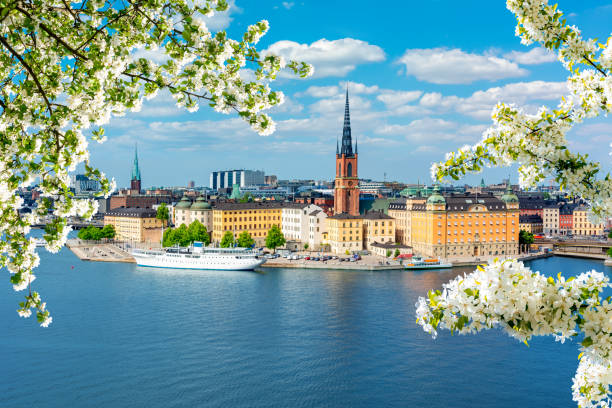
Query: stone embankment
{"type": "Point", "coordinates": [98, 252]}
{"type": "Point", "coordinates": [367, 263]}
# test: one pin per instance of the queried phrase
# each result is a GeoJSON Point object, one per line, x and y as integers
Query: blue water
{"type": "Point", "coordinates": [127, 336]}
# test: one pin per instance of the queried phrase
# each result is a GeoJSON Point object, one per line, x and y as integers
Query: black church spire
{"type": "Point", "coordinates": [347, 143]}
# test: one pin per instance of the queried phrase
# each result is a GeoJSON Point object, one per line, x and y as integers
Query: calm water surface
{"type": "Point", "coordinates": [127, 336]}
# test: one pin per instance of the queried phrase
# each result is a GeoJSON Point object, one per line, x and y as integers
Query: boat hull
{"type": "Point", "coordinates": [225, 263]}
{"type": "Point", "coordinates": [439, 266]}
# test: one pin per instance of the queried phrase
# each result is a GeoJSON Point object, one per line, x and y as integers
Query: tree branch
{"type": "Point", "coordinates": [595, 65]}
{"type": "Point", "coordinates": [168, 86]}
{"type": "Point", "coordinates": [29, 69]}
{"type": "Point", "coordinates": [52, 34]}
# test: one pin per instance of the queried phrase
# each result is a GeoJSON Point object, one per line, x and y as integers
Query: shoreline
{"type": "Point", "coordinates": [109, 252]}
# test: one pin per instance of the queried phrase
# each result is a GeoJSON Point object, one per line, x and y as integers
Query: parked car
{"type": "Point", "coordinates": [307, 258]}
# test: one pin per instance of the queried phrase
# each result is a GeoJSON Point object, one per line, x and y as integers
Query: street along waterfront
{"type": "Point", "coordinates": [128, 336]}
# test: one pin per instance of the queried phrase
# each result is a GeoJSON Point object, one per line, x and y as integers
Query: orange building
{"type": "Point", "coordinates": [464, 225]}
{"type": "Point", "coordinates": [346, 190]}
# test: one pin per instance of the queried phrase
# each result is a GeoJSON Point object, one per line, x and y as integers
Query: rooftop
{"type": "Point", "coordinates": [135, 212]}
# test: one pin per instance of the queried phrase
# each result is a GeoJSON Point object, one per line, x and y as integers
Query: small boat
{"type": "Point", "coordinates": [430, 263]}
{"type": "Point", "coordinates": [199, 257]}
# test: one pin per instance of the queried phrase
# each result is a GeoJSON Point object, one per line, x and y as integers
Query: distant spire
{"type": "Point", "coordinates": [347, 143]}
{"type": "Point", "coordinates": [135, 168]}
{"type": "Point", "coordinates": [356, 145]}
{"type": "Point", "coordinates": [337, 148]}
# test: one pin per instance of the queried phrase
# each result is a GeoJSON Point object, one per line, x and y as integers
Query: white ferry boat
{"type": "Point", "coordinates": [420, 263]}
{"type": "Point", "coordinates": [198, 257]}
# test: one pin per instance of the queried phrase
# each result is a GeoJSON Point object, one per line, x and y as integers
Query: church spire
{"type": "Point", "coordinates": [347, 143]}
{"type": "Point", "coordinates": [337, 148]}
{"type": "Point", "coordinates": [135, 168]}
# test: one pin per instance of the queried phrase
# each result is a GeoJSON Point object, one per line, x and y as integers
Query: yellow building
{"type": "Point", "coordinates": [397, 211]}
{"type": "Point", "coordinates": [255, 217]}
{"type": "Point", "coordinates": [134, 224]}
{"type": "Point", "coordinates": [462, 225]}
{"type": "Point", "coordinates": [582, 225]}
{"type": "Point", "coordinates": [378, 227]}
{"type": "Point", "coordinates": [531, 223]}
{"type": "Point", "coordinates": [345, 233]}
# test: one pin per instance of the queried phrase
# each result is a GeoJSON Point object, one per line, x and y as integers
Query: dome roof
{"type": "Point", "coordinates": [436, 197]}
{"type": "Point", "coordinates": [200, 204]}
{"type": "Point", "coordinates": [509, 196]}
{"type": "Point", "coordinates": [184, 203]}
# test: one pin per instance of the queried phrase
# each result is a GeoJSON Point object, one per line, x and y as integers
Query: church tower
{"type": "Point", "coordinates": [135, 187]}
{"type": "Point", "coordinates": [346, 189]}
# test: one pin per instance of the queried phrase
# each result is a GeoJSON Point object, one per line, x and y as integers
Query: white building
{"type": "Point", "coordinates": [295, 223]}
{"type": "Point", "coordinates": [316, 228]}
{"type": "Point", "coordinates": [374, 187]}
{"type": "Point", "coordinates": [227, 178]}
{"type": "Point", "coordinates": [550, 220]}
{"type": "Point", "coordinates": [185, 212]}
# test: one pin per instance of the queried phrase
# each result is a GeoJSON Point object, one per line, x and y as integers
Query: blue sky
{"type": "Point", "coordinates": [423, 78]}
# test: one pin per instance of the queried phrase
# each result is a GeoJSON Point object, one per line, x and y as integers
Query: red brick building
{"type": "Point", "coordinates": [346, 190]}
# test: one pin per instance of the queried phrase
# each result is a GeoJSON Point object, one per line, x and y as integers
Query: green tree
{"type": "Point", "coordinates": [397, 252]}
{"type": "Point", "coordinates": [108, 231]}
{"type": "Point", "coordinates": [305, 246]}
{"type": "Point", "coordinates": [182, 236]}
{"type": "Point", "coordinates": [227, 240]}
{"type": "Point", "coordinates": [525, 238]}
{"type": "Point", "coordinates": [91, 233]}
{"type": "Point", "coordinates": [610, 234]}
{"type": "Point", "coordinates": [168, 239]}
{"type": "Point", "coordinates": [198, 232]}
{"type": "Point", "coordinates": [610, 252]}
{"type": "Point", "coordinates": [245, 240]}
{"type": "Point", "coordinates": [66, 66]}
{"type": "Point", "coordinates": [388, 253]}
{"type": "Point", "coordinates": [247, 198]}
{"type": "Point", "coordinates": [275, 238]}
{"type": "Point", "coordinates": [163, 213]}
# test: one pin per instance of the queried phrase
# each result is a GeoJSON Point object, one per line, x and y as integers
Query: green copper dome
{"type": "Point", "coordinates": [200, 204]}
{"type": "Point", "coordinates": [509, 196]}
{"type": "Point", "coordinates": [436, 197]}
{"type": "Point", "coordinates": [184, 203]}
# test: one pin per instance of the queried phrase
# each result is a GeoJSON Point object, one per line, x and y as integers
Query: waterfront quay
{"type": "Point", "coordinates": [99, 252]}
{"type": "Point", "coordinates": [118, 252]}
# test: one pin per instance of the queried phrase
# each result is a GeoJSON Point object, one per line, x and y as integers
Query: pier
{"type": "Point", "coordinates": [99, 252]}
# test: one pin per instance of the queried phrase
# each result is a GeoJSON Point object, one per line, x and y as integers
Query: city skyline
{"type": "Point", "coordinates": [415, 94]}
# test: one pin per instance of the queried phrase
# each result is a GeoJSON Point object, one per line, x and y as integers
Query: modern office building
{"type": "Point", "coordinates": [244, 178]}
{"type": "Point", "coordinates": [84, 185]}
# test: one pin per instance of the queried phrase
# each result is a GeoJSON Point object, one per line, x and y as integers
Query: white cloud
{"type": "Point", "coordinates": [320, 91]}
{"type": "Point", "coordinates": [289, 106]}
{"type": "Point", "coordinates": [534, 56]}
{"type": "Point", "coordinates": [330, 58]}
{"type": "Point", "coordinates": [393, 99]}
{"type": "Point", "coordinates": [454, 66]}
{"type": "Point", "coordinates": [355, 88]}
{"type": "Point", "coordinates": [288, 4]}
{"type": "Point", "coordinates": [433, 130]}
{"type": "Point", "coordinates": [480, 104]}
{"type": "Point", "coordinates": [220, 21]}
